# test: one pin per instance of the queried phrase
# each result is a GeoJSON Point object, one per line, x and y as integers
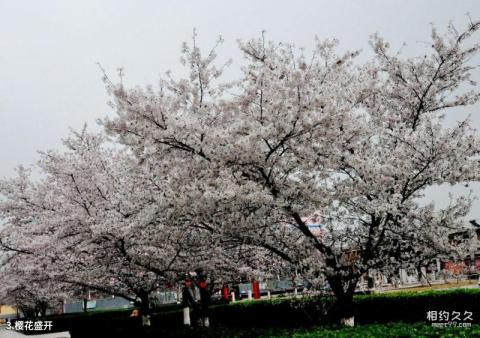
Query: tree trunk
{"type": "Point", "coordinates": [186, 316]}
{"type": "Point", "coordinates": [205, 295]}
{"type": "Point", "coordinates": [145, 310]}
{"type": "Point", "coordinates": [343, 309]}
{"type": "Point", "coordinates": [41, 309]}
{"type": "Point", "coordinates": [187, 300]}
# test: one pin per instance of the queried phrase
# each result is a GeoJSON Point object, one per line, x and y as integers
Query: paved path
{"type": "Point", "coordinates": [12, 334]}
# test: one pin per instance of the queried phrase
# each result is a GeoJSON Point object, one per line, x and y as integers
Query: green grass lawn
{"type": "Point", "coordinates": [361, 331]}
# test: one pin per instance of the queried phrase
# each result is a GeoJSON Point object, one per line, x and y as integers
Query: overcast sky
{"type": "Point", "coordinates": [49, 80]}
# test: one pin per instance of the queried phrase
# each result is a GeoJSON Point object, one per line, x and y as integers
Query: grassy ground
{"type": "Point", "coordinates": [374, 331]}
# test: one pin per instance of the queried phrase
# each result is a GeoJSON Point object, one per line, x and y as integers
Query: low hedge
{"type": "Point", "coordinates": [413, 307]}
{"type": "Point", "coordinates": [402, 306]}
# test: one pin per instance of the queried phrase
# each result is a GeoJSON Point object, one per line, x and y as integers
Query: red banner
{"type": "Point", "coordinates": [256, 289]}
{"type": "Point", "coordinates": [226, 293]}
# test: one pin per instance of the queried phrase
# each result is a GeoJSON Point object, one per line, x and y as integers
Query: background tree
{"type": "Point", "coordinates": [96, 220]}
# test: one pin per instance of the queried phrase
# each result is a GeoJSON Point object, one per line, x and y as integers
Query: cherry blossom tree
{"type": "Point", "coordinates": [96, 220]}
{"type": "Point", "coordinates": [353, 145]}
{"type": "Point", "coordinates": [24, 286]}
{"type": "Point", "coordinates": [76, 225]}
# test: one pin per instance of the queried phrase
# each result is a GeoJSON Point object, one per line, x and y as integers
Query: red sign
{"type": "Point", "coordinates": [456, 268]}
{"type": "Point", "coordinates": [202, 284]}
{"type": "Point", "coordinates": [256, 290]}
{"type": "Point", "coordinates": [226, 294]}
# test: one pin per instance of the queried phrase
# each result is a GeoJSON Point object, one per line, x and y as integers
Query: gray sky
{"type": "Point", "coordinates": [49, 80]}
